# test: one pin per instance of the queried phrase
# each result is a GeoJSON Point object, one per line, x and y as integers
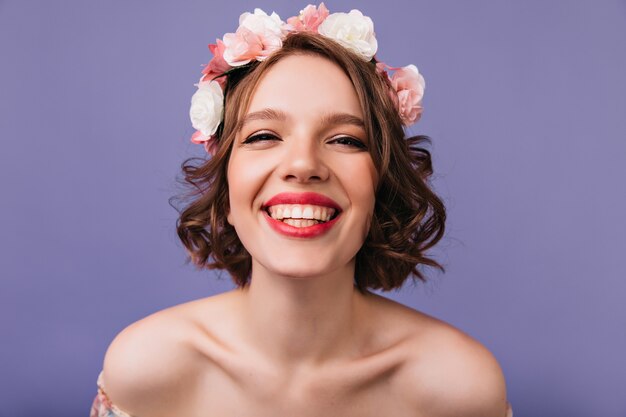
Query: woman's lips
{"type": "Point", "coordinates": [307, 198]}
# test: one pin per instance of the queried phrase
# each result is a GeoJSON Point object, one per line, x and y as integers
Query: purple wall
{"type": "Point", "coordinates": [525, 101]}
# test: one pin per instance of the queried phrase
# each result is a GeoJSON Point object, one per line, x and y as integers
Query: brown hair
{"type": "Point", "coordinates": [408, 217]}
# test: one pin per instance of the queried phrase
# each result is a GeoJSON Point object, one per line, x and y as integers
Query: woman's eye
{"type": "Point", "coordinates": [348, 141]}
{"type": "Point", "coordinates": [260, 137]}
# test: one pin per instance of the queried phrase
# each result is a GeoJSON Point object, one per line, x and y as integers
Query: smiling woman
{"type": "Point", "coordinates": [275, 160]}
{"type": "Point", "coordinates": [312, 197]}
{"type": "Point", "coordinates": [409, 218]}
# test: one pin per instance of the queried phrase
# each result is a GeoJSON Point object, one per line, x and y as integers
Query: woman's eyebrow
{"type": "Point", "coordinates": [331, 119]}
{"type": "Point", "coordinates": [334, 119]}
{"type": "Point", "coordinates": [265, 114]}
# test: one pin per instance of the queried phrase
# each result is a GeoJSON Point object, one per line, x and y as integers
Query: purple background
{"type": "Point", "coordinates": [525, 101]}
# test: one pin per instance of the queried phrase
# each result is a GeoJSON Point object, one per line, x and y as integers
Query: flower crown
{"type": "Point", "coordinates": [260, 34]}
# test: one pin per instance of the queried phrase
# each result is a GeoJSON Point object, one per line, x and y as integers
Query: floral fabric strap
{"type": "Point", "coordinates": [102, 405]}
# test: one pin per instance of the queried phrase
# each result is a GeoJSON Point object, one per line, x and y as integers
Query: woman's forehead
{"type": "Point", "coordinates": [305, 85]}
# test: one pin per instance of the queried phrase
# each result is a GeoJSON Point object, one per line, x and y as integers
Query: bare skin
{"type": "Point", "coordinates": [396, 366]}
{"type": "Point", "coordinates": [301, 340]}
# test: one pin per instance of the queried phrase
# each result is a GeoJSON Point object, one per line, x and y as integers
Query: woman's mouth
{"type": "Point", "coordinates": [301, 215]}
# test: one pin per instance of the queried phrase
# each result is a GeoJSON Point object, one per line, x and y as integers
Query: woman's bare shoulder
{"type": "Point", "coordinates": [449, 373]}
{"type": "Point", "coordinates": [144, 361]}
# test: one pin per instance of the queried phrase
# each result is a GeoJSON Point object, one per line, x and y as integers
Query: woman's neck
{"type": "Point", "coordinates": [303, 322]}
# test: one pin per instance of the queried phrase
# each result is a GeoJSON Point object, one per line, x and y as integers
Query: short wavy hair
{"type": "Point", "coordinates": [408, 216]}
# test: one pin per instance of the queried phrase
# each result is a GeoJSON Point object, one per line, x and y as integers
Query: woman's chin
{"type": "Point", "coordinates": [297, 270]}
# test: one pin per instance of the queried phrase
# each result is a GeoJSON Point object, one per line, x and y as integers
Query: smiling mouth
{"type": "Point", "coordinates": [301, 215]}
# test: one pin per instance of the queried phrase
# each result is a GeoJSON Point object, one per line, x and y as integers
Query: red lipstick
{"type": "Point", "coordinates": [301, 198]}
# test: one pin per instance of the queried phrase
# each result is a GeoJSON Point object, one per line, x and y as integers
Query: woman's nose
{"type": "Point", "coordinates": [303, 162]}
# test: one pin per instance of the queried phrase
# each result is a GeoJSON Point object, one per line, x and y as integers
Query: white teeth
{"type": "Point", "coordinates": [292, 222]}
{"type": "Point", "coordinates": [301, 222]}
{"type": "Point", "coordinates": [301, 211]}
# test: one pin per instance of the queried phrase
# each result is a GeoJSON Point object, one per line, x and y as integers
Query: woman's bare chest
{"type": "Point", "coordinates": [366, 389]}
{"type": "Point", "coordinates": [235, 381]}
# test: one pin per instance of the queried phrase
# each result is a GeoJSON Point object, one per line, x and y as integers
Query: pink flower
{"type": "Point", "coordinates": [242, 47]}
{"type": "Point", "coordinates": [409, 85]}
{"type": "Point", "coordinates": [409, 107]}
{"type": "Point", "coordinates": [258, 35]}
{"type": "Point", "coordinates": [382, 68]}
{"type": "Point", "coordinates": [407, 90]}
{"type": "Point", "coordinates": [217, 66]}
{"type": "Point", "coordinates": [209, 142]}
{"type": "Point", "coordinates": [309, 19]}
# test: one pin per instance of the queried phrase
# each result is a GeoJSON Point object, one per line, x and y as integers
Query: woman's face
{"type": "Point", "coordinates": [301, 158]}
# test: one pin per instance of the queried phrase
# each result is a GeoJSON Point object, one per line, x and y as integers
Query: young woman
{"type": "Point", "coordinates": [311, 197]}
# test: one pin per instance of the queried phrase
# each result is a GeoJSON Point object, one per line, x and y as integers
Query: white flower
{"type": "Point", "coordinates": [262, 24]}
{"type": "Point", "coordinates": [353, 31]}
{"type": "Point", "coordinates": [207, 107]}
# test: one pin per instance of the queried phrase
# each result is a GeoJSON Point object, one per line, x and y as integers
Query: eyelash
{"type": "Point", "coordinates": [257, 137]}
{"type": "Point", "coordinates": [351, 141]}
